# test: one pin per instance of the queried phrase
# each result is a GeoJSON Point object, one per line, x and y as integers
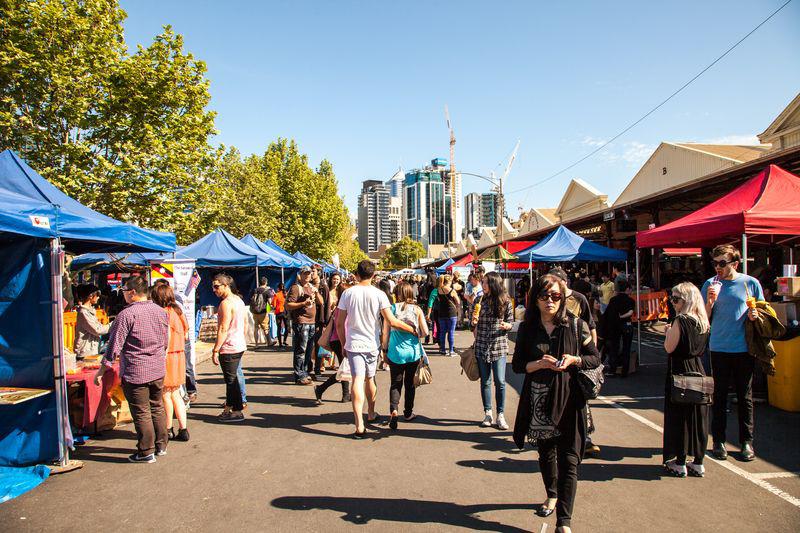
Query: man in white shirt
{"type": "Point", "coordinates": [358, 325]}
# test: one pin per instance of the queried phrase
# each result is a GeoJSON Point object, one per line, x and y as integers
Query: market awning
{"type": "Point", "coordinates": [30, 205]}
{"type": "Point", "coordinates": [767, 204]}
{"type": "Point", "coordinates": [269, 243]}
{"type": "Point", "coordinates": [564, 245]}
{"type": "Point", "coordinates": [276, 257]}
{"type": "Point", "coordinates": [221, 249]}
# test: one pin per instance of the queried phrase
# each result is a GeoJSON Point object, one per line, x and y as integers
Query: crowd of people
{"type": "Point", "coordinates": [571, 326]}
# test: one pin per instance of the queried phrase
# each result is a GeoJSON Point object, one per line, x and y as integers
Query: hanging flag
{"type": "Point", "coordinates": [161, 271]}
{"type": "Point", "coordinates": [194, 281]}
{"type": "Point", "coordinates": [335, 260]}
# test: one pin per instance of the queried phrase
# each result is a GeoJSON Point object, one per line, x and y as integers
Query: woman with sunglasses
{"type": "Point", "coordinates": [551, 348]}
{"type": "Point", "coordinates": [685, 426]}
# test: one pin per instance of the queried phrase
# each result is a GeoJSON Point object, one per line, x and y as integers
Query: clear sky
{"type": "Point", "coordinates": [364, 84]}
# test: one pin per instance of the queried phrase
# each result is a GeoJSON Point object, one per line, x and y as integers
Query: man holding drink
{"type": "Point", "coordinates": [301, 304]}
{"type": "Point", "coordinates": [729, 297]}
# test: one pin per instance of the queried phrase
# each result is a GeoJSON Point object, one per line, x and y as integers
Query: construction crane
{"type": "Point", "coordinates": [500, 199]}
{"type": "Point", "coordinates": [454, 200]}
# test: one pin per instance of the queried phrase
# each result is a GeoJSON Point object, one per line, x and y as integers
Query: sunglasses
{"type": "Point", "coordinates": [722, 264]}
{"type": "Point", "coordinates": [216, 286]}
{"type": "Point", "coordinates": [675, 299]}
{"type": "Point", "coordinates": [553, 297]}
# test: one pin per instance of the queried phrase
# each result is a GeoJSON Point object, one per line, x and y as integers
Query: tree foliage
{"type": "Point", "coordinates": [128, 134]}
{"type": "Point", "coordinates": [403, 253]}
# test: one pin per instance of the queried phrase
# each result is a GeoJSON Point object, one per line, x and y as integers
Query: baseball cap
{"type": "Point", "coordinates": [305, 270]}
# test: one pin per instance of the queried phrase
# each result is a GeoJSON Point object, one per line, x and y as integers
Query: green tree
{"type": "Point", "coordinates": [403, 253]}
{"type": "Point", "coordinates": [126, 134]}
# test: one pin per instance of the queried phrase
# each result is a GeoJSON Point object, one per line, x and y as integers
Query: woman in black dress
{"type": "Point", "coordinates": [551, 348]}
{"type": "Point", "coordinates": [685, 425]}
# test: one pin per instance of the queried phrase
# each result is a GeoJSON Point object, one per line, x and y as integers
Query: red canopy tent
{"type": "Point", "coordinates": [463, 262]}
{"type": "Point", "coordinates": [767, 204]}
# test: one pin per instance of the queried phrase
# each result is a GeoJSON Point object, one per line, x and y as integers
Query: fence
{"type": "Point", "coordinates": [652, 306]}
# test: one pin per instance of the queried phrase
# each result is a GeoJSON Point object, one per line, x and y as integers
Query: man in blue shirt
{"type": "Point", "coordinates": [726, 297]}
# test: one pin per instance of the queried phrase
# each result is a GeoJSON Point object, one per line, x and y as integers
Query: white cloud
{"type": "Point", "coordinates": [635, 153]}
{"type": "Point", "coordinates": [593, 141]}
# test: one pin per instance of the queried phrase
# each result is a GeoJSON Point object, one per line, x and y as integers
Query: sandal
{"type": "Point", "coordinates": [544, 511]}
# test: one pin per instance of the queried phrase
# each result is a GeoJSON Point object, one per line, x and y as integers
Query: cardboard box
{"type": "Point", "coordinates": [786, 311]}
{"type": "Point", "coordinates": [789, 287]}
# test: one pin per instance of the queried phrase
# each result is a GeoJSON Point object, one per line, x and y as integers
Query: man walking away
{"type": "Point", "coordinates": [726, 296]}
{"type": "Point", "coordinates": [358, 323]}
{"type": "Point", "coordinates": [259, 301]}
{"type": "Point", "coordinates": [301, 304]}
{"type": "Point", "coordinates": [138, 336]}
{"type": "Point", "coordinates": [618, 332]}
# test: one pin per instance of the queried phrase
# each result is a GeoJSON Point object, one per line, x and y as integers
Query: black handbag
{"type": "Point", "coordinates": [692, 388]}
{"type": "Point", "coordinates": [589, 380]}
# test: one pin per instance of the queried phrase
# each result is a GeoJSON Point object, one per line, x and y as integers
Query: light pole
{"type": "Point", "coordinates": [498, 183]}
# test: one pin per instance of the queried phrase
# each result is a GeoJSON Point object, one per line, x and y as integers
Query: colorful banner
{"type": "Point", "coordinates": [183, 278]}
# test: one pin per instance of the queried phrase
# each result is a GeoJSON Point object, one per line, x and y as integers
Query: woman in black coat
{"type": "Point", "coordinates": [685, 425]}
{"type": "Point", "coordinates": [551, 348]}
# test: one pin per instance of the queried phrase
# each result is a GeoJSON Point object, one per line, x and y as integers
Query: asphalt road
{"type": "Point", "coordinates": [292, 466]}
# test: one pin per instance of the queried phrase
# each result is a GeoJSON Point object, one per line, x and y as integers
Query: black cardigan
{"type": "Point", "coordinates": [532, 343]}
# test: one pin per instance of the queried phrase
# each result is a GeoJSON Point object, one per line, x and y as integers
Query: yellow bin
{"type": "Point", "coordinates": [784, 386]}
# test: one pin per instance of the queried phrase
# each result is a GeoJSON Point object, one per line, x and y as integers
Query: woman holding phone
{"type": "Point", "coordinates": [551, 349]}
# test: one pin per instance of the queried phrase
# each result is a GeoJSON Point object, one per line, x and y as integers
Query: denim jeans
{"type": "Point", "coordinates": [240, 379]}
{"type": "Point", "coordinates": [447, 328]}
{"type": "Point", "coordinates": [498, 368]}
{"type": "Point", "coordinates": [303, 346]}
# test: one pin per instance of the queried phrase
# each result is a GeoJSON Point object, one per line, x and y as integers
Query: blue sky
{"type": "Point", "coordinates": [364, 84]}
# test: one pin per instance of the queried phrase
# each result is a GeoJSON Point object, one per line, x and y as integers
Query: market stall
{"type": "Point", "coordinates": [762, 212]}
{"type": "Point", "coordinates": [38, 223]}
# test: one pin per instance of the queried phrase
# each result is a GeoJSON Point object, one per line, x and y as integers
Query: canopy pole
{"type": "Point", "coordinates": [744, 253]}
{"type": "Point", "coordinates": [638, 310]}
{"type": "Point", "coordinates": [530, 269]}
{"type": "Point", "coordinates": [60, 389]}
{"type": "Point", "coordinates": [282, 280]}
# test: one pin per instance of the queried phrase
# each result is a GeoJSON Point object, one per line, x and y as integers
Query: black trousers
{"type": "Point", "coordinates": [282, 321]}
{"type": "Point", "coordinates": [558, 462]}
{"type": "Point", "coordinates": [336, 348]}
{"type": "Point", "coordinates": [618, 349]}
{"type": "Point", "coordinates": [230, 367]}
{"type": "Point", "coordinates": [402, 375]}
{"type": "Point", "coordinates": [738, 367]}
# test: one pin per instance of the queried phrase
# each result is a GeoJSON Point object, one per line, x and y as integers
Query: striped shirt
{"type": "Point", "coordinates": [138, 336]}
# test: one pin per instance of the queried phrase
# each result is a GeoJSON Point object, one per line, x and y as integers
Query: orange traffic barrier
{"type": "Point", "coordinates": [70, 321]}
{"type": "Point", "coordinates": [652, 306]}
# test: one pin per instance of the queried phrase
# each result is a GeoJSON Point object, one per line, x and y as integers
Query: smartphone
{"type": "Point", "coordinates": [560, 363]}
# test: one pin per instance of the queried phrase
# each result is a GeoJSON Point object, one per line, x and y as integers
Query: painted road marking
{"type": "Point", "coordinates": [632, 398]}
{"type": "Point", "coordinates": [753, 478]}
{"type": "Point", "coordinates": [773, 475]}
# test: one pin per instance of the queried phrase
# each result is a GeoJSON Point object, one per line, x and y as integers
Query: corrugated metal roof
{"type": "Point", "coordinates": [735, 152]}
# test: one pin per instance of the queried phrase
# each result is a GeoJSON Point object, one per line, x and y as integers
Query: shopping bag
{"type": "Point", "coordinates": [423, 374]}
{"type": "Point", "coordinates": [343, 374]}
{"type": "Point", "coordinates": [469, 364]}
{"type": "Point", "coordinates": [273, 326]}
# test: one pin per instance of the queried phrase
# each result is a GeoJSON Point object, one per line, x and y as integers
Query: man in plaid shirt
{"type": "Point", "coordinates": [138, 336]}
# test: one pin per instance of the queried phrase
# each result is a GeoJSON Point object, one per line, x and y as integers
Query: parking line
{"type": "Point", "coordinates": [753, 478]}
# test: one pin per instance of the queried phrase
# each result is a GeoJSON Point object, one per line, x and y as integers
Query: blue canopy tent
{"type": "Point", "coordinates": [221, 250]}
{"type": "Point", "coordinates": [564, 245]}
{"type": "Point", "coordinates": [307, 261]}
{"type": "Point", "coordinates": [108, 262]}
{"type": "Point", "coordinates": [443, 268]}
{"type": "Point", "coordinates": [38, 223]}
{"type": "Point", "coordinates": [285, 260]}
{"type": "Point", "coordinates": [274, 245]}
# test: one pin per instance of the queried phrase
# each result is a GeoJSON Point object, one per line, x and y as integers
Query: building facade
{"type": "Point", "coordinates": [472, 213]}
{"type": "Point", "coordinates": [374, 222]}
{"type": "Point", "coordinates": [427, 214]}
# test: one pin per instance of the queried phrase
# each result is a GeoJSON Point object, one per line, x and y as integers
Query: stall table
{"type": "Point", "coordinates": [96, 398]}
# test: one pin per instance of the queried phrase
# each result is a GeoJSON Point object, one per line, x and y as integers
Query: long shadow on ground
{"type": "Point", "coordinates": [361, 511]}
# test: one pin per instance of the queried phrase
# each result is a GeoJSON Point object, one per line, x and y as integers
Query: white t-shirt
{"type": "Point", "coordinates": [363, 304]}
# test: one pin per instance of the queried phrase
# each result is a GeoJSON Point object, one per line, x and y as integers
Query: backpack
{"type": "Point", "coordinates": [258, 303]}
{"type": "Point", "coordinates": [407, 313]}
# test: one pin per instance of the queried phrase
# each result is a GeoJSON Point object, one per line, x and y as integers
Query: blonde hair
{"type": "Point", "coordinates": [693, 303]}
{"type": "Point", "coordinates": [445, 280]}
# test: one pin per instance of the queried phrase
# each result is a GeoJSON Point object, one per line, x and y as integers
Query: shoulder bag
{"type": "Point", "coordinates": [325, 336]}
{"type": "Point", "coordinates": [423, 375]}
{"type": "Point", "coordinates": [692, 388]}
{"type": "Point", "coordinates": [590, 380]}
{"type": "Point", "coordinates": [469, 364]}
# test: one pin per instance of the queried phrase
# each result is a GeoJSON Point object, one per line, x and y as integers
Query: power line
{"type": "Point", "coordinates": [653, 110]}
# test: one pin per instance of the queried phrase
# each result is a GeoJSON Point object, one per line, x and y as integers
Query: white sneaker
{"type": "Point", "coordinates": [501, 422]}
{"type": "Point", "coordinates": [487, 419]}
{"type": "Point", "coordinates": [673, 468]}
{"type": "Point", "coordinates": [696, 470]}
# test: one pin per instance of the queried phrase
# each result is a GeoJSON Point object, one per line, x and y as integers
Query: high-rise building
{"type": "Point", "coordinates": [396, 217]}
{"type": "Point", "coordinates": [427, 215]}
{"type": "Point", "coordinates": [472, 212]}
{"type": "Point", "coordinates": [374, 224]}
{"type": "Point", "coordinates": [489, 207]}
